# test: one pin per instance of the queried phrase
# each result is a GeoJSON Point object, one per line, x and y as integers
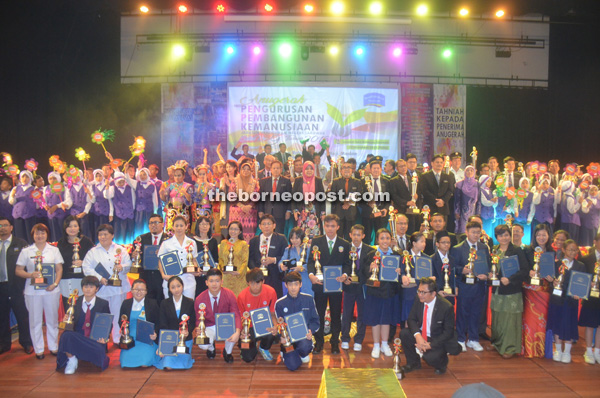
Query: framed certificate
{"type": "Point", "coordinates": [389, 265]}
{"type": "Point", "coordinates": [211, 261]}
{"type": "Point", "coordinates": [225, 325]}
{"type": "Point", "coordinates": [509, 266]}
{"type": "Point", "coordinates": [579, 285]}
{"type": "Point", "coordinates": [423, 267]}
{"type": "Point", "coordinates": [49, 274]}
{"type": "Point", "coordinates": [330, 273]}
{"type": "Point", "coordinates": [481, 266]}
{"type": "Point", "coordinates": [261, 320]}
{"type": "Point", "coordinates": [547, 261]}
{"type": "Point", "coordinates": [143, 331]}
{"type": "Point", "coordinates": [101, 269]}
{"type": "Point", "coordinates": [296, 326]}
{"type": "Point", "coordinates": [171, 264]}
{"type": "Point", "coordinates": [101, 326]}
{"type": "Point", "coordinates": [151, 257]}
{"type": "Point", "coordinates": [167, 342]}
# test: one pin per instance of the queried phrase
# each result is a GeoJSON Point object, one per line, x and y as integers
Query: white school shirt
{"type": "Point", "coordinates": [172, 244]}
{"type": "Point", "coordinates": [50, 255]}
{"type": "Point", "coordinates": [98, 254]}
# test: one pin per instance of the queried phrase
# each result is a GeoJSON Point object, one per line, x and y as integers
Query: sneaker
{"type": "Point", "coordinates": [265, 354]}
{"type": "Point", "coordinates": [305, 359]}
{"type": "Point", "coordinates": [474, 345]}
{"type": "Point", "coordinates": [71, 366]}
{"type": "Point", "coordinates": [358, 347]}
{"type": "Point", "coordinates": [566, 357]}
{"type": "Point", "coordinates": [345, 345]}
{"type": "Point", "coordinates": [589, 358]}
{"type": "Point", "coordinates": [556, 356]}
{"type": "Point", "coordinates": [387, 351]}
{"type": "Point", "coordinates": [597, 357]}
{"type": "Point", "coordinates": [463, 346]}
{"type": "Point", "coordinates": [376, 352]}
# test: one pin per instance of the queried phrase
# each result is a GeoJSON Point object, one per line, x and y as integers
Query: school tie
{"type": "Point", "coordinates": [510, 180]}
{"type": "Point", "coordinates": [155, 241]}
{"type": "Point", "coordinates": [3, 273]}
{"type": "Point", "coordinates": [424, 328]}
{"type": "Point", "coordinates": [437, 178]}
{"type": "Point", "coordinates": [402, 244]}
{"type": "Point", "coordinates": [215, 304]}
{"type": "Point", "coordinates": [347, 180]}
{"type": "Point", "coordinates": [87, 325]}
{"type": "Point", "coordinates": [274, 185]}
{"type": "Point", "coordinates": [376, 186]}
{"type": "Point", "coordinates": [405, 181]}
{"type": "Point", "coordinates": [330, 246]}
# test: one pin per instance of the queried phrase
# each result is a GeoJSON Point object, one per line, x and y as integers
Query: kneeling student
{"type": "Point", "coordinates": [292, 303]}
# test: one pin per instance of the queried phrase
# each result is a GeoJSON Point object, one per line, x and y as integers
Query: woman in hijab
{"type": "Point", "coordinates": [23, 206]}
{"type": "Point", "coordinates": [525, 211]}
{"type": "Point", "coordinates": [309, 210]}
{"type": "Point", "coordinates": [569, 209]}
{"type": "Point", "coordinates": [146, 201]}
{"type": "Point", "coordinates": [466, 196]}
{"type": "Point", "coordinates": [101, 207]}
{"type": "Point", "coordinates": [56, 204]}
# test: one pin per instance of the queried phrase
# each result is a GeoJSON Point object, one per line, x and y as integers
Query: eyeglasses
{"type": "Point", "coordinates": [421, 292]}
{"type": "Point", "coordinates": [139, 290]}
{"type": "Point", "coordinates": [4, 225]}
{"type": "Point", "coordinates": [155, 222]}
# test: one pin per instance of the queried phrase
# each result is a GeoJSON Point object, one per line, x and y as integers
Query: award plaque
{"type": "Point", "coordinates": [330, 284]}
{"type": "Point", "coordinates": [48, 275]}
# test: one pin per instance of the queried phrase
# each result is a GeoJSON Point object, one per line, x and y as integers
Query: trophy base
{"type": "Point", "coordinates": [265, 272]}
{"type": "Point", "coordinates": [376, 214]}
{"type": "Point", "coordinates": [287, 343]}
{"type": "Point", "coordinates": [181, 350]}
{"type": "Point", "coordinates": [535, 282]}
{"type": "Point", "coordinates": [400, 375]}
{"type": "Point", "coordinates": [470, 280]}
{"type": "Point", "coordinates": [414, 211]}
{"type": "Point", "coordinates": [373, 283]}
{"type": "Point", "coordinates": [245, 346]}
{"type": "Point", "coordinates": [448, 290]}
{"type": "Point", "coordinates": [125, 345]}
{"type": "Point", "coordinates": [66, 326]}
{"type": "Point", "coordinates": [319, 277]}
{"type": "Point", "coordinates": [39, 281]}
{"type": "Point", "coordinates": [190, 269]}
{"type": "Point", "coordinates": [206, 269]}
{"type": "Point", "coordinates": [114, 282]}
{"type": "Point", "coordinates": [77, 270]}
{"type": "Point", "coordinates": [135, 270]}
{"type": "Point", "coordinates": [557, 292]}
{"type": "Point", "coordinates": [595, 293]}
{"type": "Point", "coordinates": [495, 282]}
{"type": "Point", "coordinates": [202, 340]}
{"type": "Point", "coordinates": [354, 279]}
{"type": "Point", "coordinates": [230, 268]}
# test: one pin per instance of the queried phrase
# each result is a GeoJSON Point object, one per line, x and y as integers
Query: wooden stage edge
{"type": "Point", "coordinates": [23, 375]}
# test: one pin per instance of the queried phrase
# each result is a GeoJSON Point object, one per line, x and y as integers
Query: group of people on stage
{"type": "Point", "coordinates": [273, 253]}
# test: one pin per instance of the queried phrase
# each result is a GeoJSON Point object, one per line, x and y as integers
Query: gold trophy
{"type": "Point", "coordinates": [114, 278]}
{"type": "Point", "coordinates": [353, 256]}
{"type": "Point", "coordinates": [40, 280]}
{"type": "Point", "coordinates": [375, 212]}
{"type": "Point", "coordinates": [201, 337]}
{"type": "Point", "coordinates": [426, 212]}
{"type": "Point", "coordinates": [317, 256]}
{"type": "Point", "coordinates": [190, 267]}
{"type": "Point", "coordinates": [494, 271]}
{"type": "Point", "coordinates": [374, 278]}
{"type": "Point", "coordinates": [263, 260]}
{"type": "Point", "coordinates": [67, 322]}
{"type": "Point", "coordinates": [470, 277]}
{"type": "Point", "coordinates": [474, 157]}
{"type": "Point", "coordinates": [76, 257]}
{"type": "Point", "coordinates": [535, 279]}
{"type": "Point", "coordinates": [283, 332]}
{"type": "Point", "coordinates": [230, 267]}
{"type": "Point", "coordinates": [136, 267]}
{"type": "Point", "coordinates": [205, 259]}
{"type": "Point", "coordinates": [595, 290]}
{"type": "Point", "coordinates": [509, 221]}
{"type": "Point", "coordinates": [447, 164]}
{"type": "Point", "coordinates": [407, 260]}
{"type": "Point", "coordinates": [126, 341]}
{"type": "Point", "coordinates": [558, 282]}
{"type": "Point", "coordinates": [446, 268]}
{"type": "Point", "coordinates": [181, 348]}
{"type": "Point", "coordinates": [392, 223]}
{"type": "Point", "coordinates": [397, 360]}
{"type": "Point", "coordinates": [413, 187]}
{"type": "Point", "coordinates": [300, 263]}
{"type": "Point", "coordinates": [245, 336]}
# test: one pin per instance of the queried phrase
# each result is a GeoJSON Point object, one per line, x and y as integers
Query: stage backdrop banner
{"type": "Point", "coordinates": [417, 121]}
{"type": "Point", "coordinates": [354, 121]}
{"type": "Point", "coordinates": [449, 115]}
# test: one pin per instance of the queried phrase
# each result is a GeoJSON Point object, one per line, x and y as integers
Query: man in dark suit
{"type": "Point", "coordinates": [260, 158]}
{"type": "Point", "coordinates": [333, 251]}
{"type": "Point", "coordinates": [275, 245]}
{"type": "Point", "coordinates": [346, 210]}
{"type": "Point", "coordinates": [380, 189]}
{"type": "Point", "coordinates": [281, 210]}
{"type": "Point", "coordinates": [266, 167]}
{"type": "Point", "coordinates": [430, 330]}
{"type": "Point", "coordinates": [470, 298]}
{"type": "Point", "coordinates": [440, 259]}
{"type": "Point", "coordinates": [282, 155]}
{"type": "Point", "coordinates": [353, 292]}
{"type": "Point", "coordinates": [437, 224]}
{"type": "Point", "coordinates": [401, 194]}
{"type": "Point", "coordinates": [484, 236]}
{"type": "Point", "coordinates": [511, 177]}
{"type": "Point", "coordinates": [11, 289]}
{"type": "Point", "coordinates": [436, 187]}
{"type": "Point", "coordinates": [155, 237]}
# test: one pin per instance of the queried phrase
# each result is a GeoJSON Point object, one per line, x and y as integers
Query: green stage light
{"type": "Point", "coordinates": [447, 53]}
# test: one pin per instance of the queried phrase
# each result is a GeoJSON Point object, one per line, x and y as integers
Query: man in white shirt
{"type": "Point", "coordinates": [455, 163]}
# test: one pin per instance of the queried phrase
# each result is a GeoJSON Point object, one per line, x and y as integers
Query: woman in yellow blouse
{"type": "Point", "coordinates": [236, 280]}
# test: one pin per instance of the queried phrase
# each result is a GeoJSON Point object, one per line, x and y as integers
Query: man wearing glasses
{"type": "Point", "coordinates": [430, 334]}
{"type": "Point", "coordinates": [152, 276]}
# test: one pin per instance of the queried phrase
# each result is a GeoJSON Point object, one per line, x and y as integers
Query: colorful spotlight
{"type": "Point", "coordinates": [178, 51]}
{"type": "Point", "coordinates": [447, 53]}
{"type": "Point", "coordinates": [463, 12]}
{"type": "Point", "coordinates": [256, 50]}
{"type": "Point", "coordinates": [422, 9]}
{"type": "Point", "coordinates": [397, 52]}
{"type": "Point", "coordinates": [334, 50]}
{"type": "Point", "coordinates": [268, 7]}
{"type": "Point", "coordinates": [230, 50]}
{"type": "Point", "coordinates": [221, 7]}
{"type": "Point", "coordinates": [360, 50]}
{"type": "Point", "coordinates": [499, 13]}
{"type": "Point", "coordinates": [182, 8]}
{"type": "Point", "coordinates": [309, 8]}
{"type": "Point", "coordinates": [337, 7]}
{"type": "Point", "coordinates": [285, 50]}
{"type": "Point", "coordinates": [376, 8]}
{"type": "Point", "coordinates": [144, 9]}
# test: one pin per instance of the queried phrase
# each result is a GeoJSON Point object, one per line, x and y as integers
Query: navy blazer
{"type": "Point", "coordinates": [439, 273]}
{"type": "Point", "coordinates": [460, 253]}
{"type": "Point", "coordinates": [100, 307]}
{"type": "Point", "coordinates": [442, 332]}
{"type": "Point", "coordinates": [362, 262]}
{"type": "Point", "coordinates": [400, 193]}
{"type": "Point", "coordinates": [517, 279]}
{"type": "Point", "coordinates": [429, 190]}
{"type": "Point", "coordinates": [276, 208]}
{"type": "Point", "coordinates": [277, 245]}
{"type": "Point", "coordinates": [168, 319]}
{"type": "Point", "coordinates": [340, 255]}
{"type": "Point", "coordinates": [16, 283]}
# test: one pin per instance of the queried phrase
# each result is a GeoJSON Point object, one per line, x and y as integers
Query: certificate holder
{"type": "Point", "coordinates": [171, 263]}
{"type": "Point", "coordinates": [389, 265]}
{"type": "Point", "coordinates": [261, 321]}
{"type": "Point", "coordinates": [225, 326]}
{"type": "Point", "coordinates": [579, 285]}
{"type": "Point", "coordinates": [296, 326]}
{"type": "Point", "coordinates": [330, 284]}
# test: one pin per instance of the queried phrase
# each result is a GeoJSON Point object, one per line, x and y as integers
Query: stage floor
{"type": "Point", "coordinates": [23, 375]}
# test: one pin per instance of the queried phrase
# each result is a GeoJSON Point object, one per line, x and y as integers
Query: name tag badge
{"type": "Point", "coordinates": [272, 247]}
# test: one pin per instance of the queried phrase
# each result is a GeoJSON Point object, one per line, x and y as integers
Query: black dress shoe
{"type": "Point", "coordinates": [211, 354]}
{"type": "Point", "coordinates": [410, 368]}
{"type": "Point", "coordinates": [40, 356]}
{"type": "Point", "coordinates": [55, 353]}
{"type": "Point", "coordinates": [227, 357]}
{"type": "Point", "coordinates": [28, 350]}
{"type": "Point", "coordinates": [318, 348]}
{"type": "Point", "coordinates": [484, 336]}
{"type": "Point", "coordinates": [440, 371]}
{"type": "Point", "coordinates": [335, 349]}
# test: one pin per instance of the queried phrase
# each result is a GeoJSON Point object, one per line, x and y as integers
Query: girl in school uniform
{"type": "Point", "coordinates": [56, 206]}
{"type": "Point", "coordinates": [409, 294]}
{"type": "Point", "coordinates": [380, 308]}
{"type": "Point", "coordinates": [466, 196]}
{"type": "Point", "coordinates": [525, 212]}
{"type": "Point", "coordinates": [146, 200]}
{"type": "Point", "coordinates": [6, 186]}
{"type": "Point", "coordinates": [562, 312]}
{"type": "Point", "coordinates": [590, 217]}
{"type": "Point", "coordinates": [236, 280]}
{"type": "Point", "coordinates": [172, 310]}
{"type": "Point", "coordinates": [101, 207]}
{"type": "Point", "coordinates": [487, 203]}
{"type": "Point", "coordinates": [544, 203]}
{"type": "Point", "coordinates": [42, 302]}
{"type": "Point", "coordinates": [82, 199]}
{"type": "Point", "coordinates": [146, 309]}
{"type": "Point", "coordinates": [569, 209]}
{"type": "Point", "coordinates": [180, 243]}
{"type": "Point", "coordinates": [23, 210]}
{"type": "Point", "coordinates": [293, 252]}
{"type": "Point", "coordinates": [121, 199]}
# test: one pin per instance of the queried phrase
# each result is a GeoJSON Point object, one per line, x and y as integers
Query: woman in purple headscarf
{"type": "Point", "coordinates": [466, 194]}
